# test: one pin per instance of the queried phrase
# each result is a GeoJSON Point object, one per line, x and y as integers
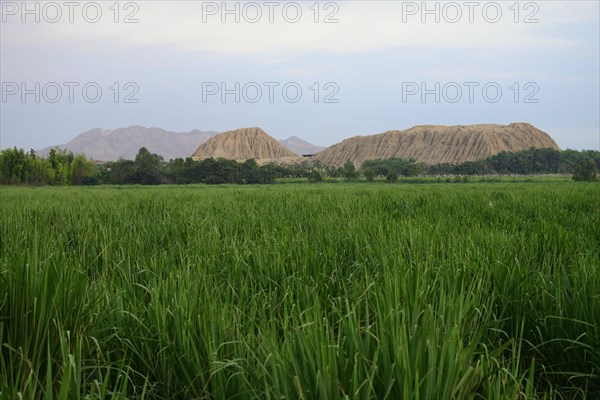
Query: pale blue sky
{"type": "Point", "coordinates": [374, 51]}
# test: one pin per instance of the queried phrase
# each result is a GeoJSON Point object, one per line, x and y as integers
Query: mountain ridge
{"type": "Point", "coordinates": [429, 144]}
{"type": "Point", "coordinates": [112, 144]}
{"type": "Point", "coordinates": [300, 146]}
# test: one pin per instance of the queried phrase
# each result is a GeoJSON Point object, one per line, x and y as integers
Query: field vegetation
{"type": "Point", "coordinates": [323, 291]}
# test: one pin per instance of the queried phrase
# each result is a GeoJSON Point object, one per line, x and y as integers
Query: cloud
{"type": "Point", "coordinates": [361, 26]}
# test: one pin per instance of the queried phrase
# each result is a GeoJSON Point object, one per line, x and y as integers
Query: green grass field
{"type": "Point", "coordinates": [406, 291]}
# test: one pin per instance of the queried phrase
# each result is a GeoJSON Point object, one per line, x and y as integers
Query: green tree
{"type": "Point", "coordinates": [268, 172]}
{"type": "Point", "coordinates": [250, 172]}
{"type": "Point", "coordinates": [13, 166]}
{"type": "Point", "coordinates": [585, 171]}
{"type": "Point", "coordinates": [62, 174]}
{"type": "Point", "coordinates": [122, 172]}
{"type": "Point", "coordinates": [148, 167]}
{"type": "Point", "coordinates": [52, 157]}
{"type": "Point", "coordinates": [400, 166]}
{"type": "Point", "coordinates": [60, 162]}
{"type": "Point", "coordinates": [174, 171]}
{"type": "Point", "coordinates": [80, 169]}
{"type": "Point", "coordinates": [39, 172]}
{"type": "Point", "coordinates": [349, 171]}
{"type": "Point", "coordinates": [370, 175]}
{"type": "Point", "coordinates": [315, 176]}
{"type": "Point", "coordinates": [392, 177]}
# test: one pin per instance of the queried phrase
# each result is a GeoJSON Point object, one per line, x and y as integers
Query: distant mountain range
{"type": "Point", "coordinates": [110, 145]}
{"type": "Point", "coordinates": [429, 144]}
{"type": "Point", "coordinates": [299, 146]}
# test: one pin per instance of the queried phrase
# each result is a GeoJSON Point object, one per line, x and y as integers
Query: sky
{"type": "Point", "coordinates": [321, 70]}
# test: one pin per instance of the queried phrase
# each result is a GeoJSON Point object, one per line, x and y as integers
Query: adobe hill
{"type": "Point", "coordinates": [243, 144]}
{"type": "Point", "coordinates": [437, 144]}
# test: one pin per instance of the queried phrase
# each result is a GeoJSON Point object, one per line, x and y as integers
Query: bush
{"type": "Point", "coordinates": [585, 171]}
{"type": "Point", "coordinates": [315, 176]}
{"type": "Point", "coordinates": [349, 171]}
{"type": "Point", "coordinates": [392, 177]}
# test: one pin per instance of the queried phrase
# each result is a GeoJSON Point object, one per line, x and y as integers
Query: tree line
{"type": "Point", "coordinates": [65, 168]}
{"type": "Point", "coordinates": [18, 167]}
{"type": "Point", "coordinates": [527, 162]}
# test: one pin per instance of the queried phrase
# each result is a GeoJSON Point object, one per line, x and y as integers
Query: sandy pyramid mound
{"type": "Point", "coordinates": [435, 144]}
{"type": "Point", "coordinates": [242, 144]}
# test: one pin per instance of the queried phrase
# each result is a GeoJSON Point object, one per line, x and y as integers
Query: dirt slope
{"type": "Point", "coordinates": [242, 144]}
{"type": "Point", "coordinates": [433, 144]}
